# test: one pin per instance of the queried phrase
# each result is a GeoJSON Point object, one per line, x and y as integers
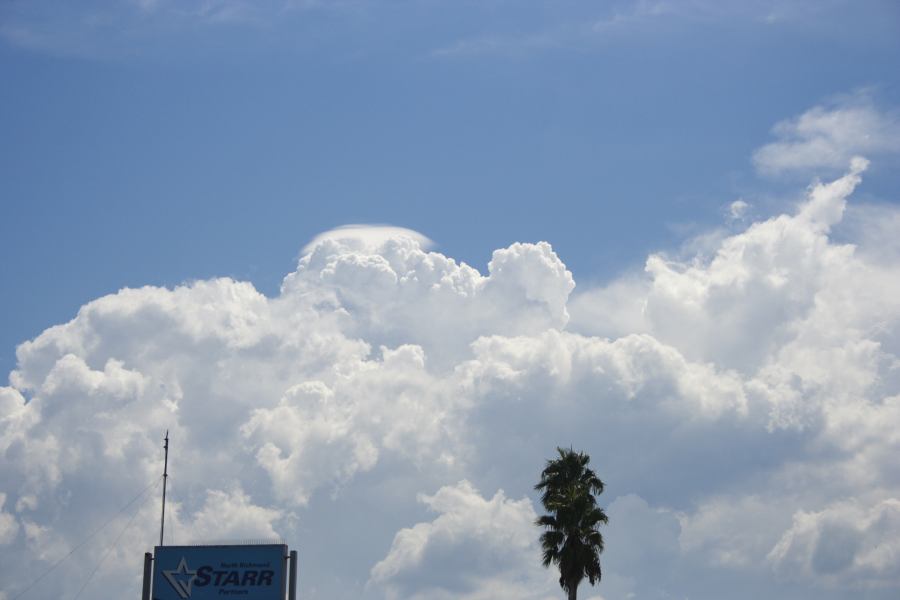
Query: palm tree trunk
{"type": "Point", "coordinates": [573, 592]}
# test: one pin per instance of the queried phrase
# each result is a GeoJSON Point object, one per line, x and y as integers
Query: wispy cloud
{"type": "Point", "coordinates": [57, 27]}
{"type": "Point", "coordinates": [612, 22]}
{"type": "Point", "coordinates": [98, 30]}
{"type": "Point", "coordinates": [828, 135]}
{"type": "Point", "coordinates": [509, 44]}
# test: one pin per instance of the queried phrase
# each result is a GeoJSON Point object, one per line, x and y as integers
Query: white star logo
{"type": "Point", "coordinates": [177, 578]}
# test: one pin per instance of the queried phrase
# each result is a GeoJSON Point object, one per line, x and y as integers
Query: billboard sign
{"type": "Point", "coordinates": [254, 572]}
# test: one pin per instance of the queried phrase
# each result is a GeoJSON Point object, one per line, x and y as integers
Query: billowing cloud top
{"type": "Point", "coordinates": [389, 411]}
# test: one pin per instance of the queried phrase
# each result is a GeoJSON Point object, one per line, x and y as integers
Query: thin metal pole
{"type": "Point", "coordinates": [162, 524]}
{"type": "Point", "coordinates": [148, 560]}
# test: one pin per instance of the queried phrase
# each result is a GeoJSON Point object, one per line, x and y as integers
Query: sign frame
{"type": "Point", "coordinates": [239, 571]}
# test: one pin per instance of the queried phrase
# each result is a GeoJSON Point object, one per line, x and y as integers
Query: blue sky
{"type": "Point", "coordinates": [154, 146]}
{"type": "Point", "coordinates": [717, 304]}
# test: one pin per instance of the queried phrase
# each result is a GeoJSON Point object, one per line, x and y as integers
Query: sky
{"type": "Point", "coordinates": [371, 262]}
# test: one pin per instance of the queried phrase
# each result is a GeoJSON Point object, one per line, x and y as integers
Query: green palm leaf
{"type": "Point", "coordinates": [571, 539]}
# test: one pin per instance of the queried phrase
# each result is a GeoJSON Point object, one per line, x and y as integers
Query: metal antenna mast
{"type": "Point", "coordinates": [162, 524]}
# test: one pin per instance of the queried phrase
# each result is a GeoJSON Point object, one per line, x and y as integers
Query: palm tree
{"type": "Point", "coordinates": [571, 539]}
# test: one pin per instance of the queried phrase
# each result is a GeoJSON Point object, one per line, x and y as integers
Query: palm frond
{"type": "Point", "coordinates": [571, 538]}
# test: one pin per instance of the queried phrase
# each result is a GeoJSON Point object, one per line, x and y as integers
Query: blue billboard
{"type": "Point", "coordinates": [255, 572]}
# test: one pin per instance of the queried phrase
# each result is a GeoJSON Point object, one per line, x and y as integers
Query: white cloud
{"type": "Point", "coordinates": [739, 403]}
{"type": "Point", "coordinates": [318, 434]}
{"type": "Point", "coordinates": [845, 543]}
{"type": "Point", "coordinates": [9, 527]}
{"type": "Point", "coordinates": [828, 136]}
{"type": "Point", "coordinates": [620, 21]}
{"type": "Point", "coordinates": [737, 210]}
{"type": "Point", "coordinates": [474, 548]}
{"type": "Point", "coordinates": [368, 237]}
{"type": "Point", "coordinates": [231, 516]}
{"type": "Point", "coordinates": [811, 326]}
{"type": "Point", "coordinates": [510, 45]}
{"type": "Point", "coordinates": [26, 503]}
{"type": "Point", "coordinates": [762, 280]}
{"type": "Point", "coordinates": [639, 536]}
{"type": "Point", "coordinates": [389, 291]}
{"type": "Point", "coordinates": [717, 531]}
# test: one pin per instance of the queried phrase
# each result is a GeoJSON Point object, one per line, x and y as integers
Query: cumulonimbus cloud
{"type": "Point", "coordinates": [736, 404]}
